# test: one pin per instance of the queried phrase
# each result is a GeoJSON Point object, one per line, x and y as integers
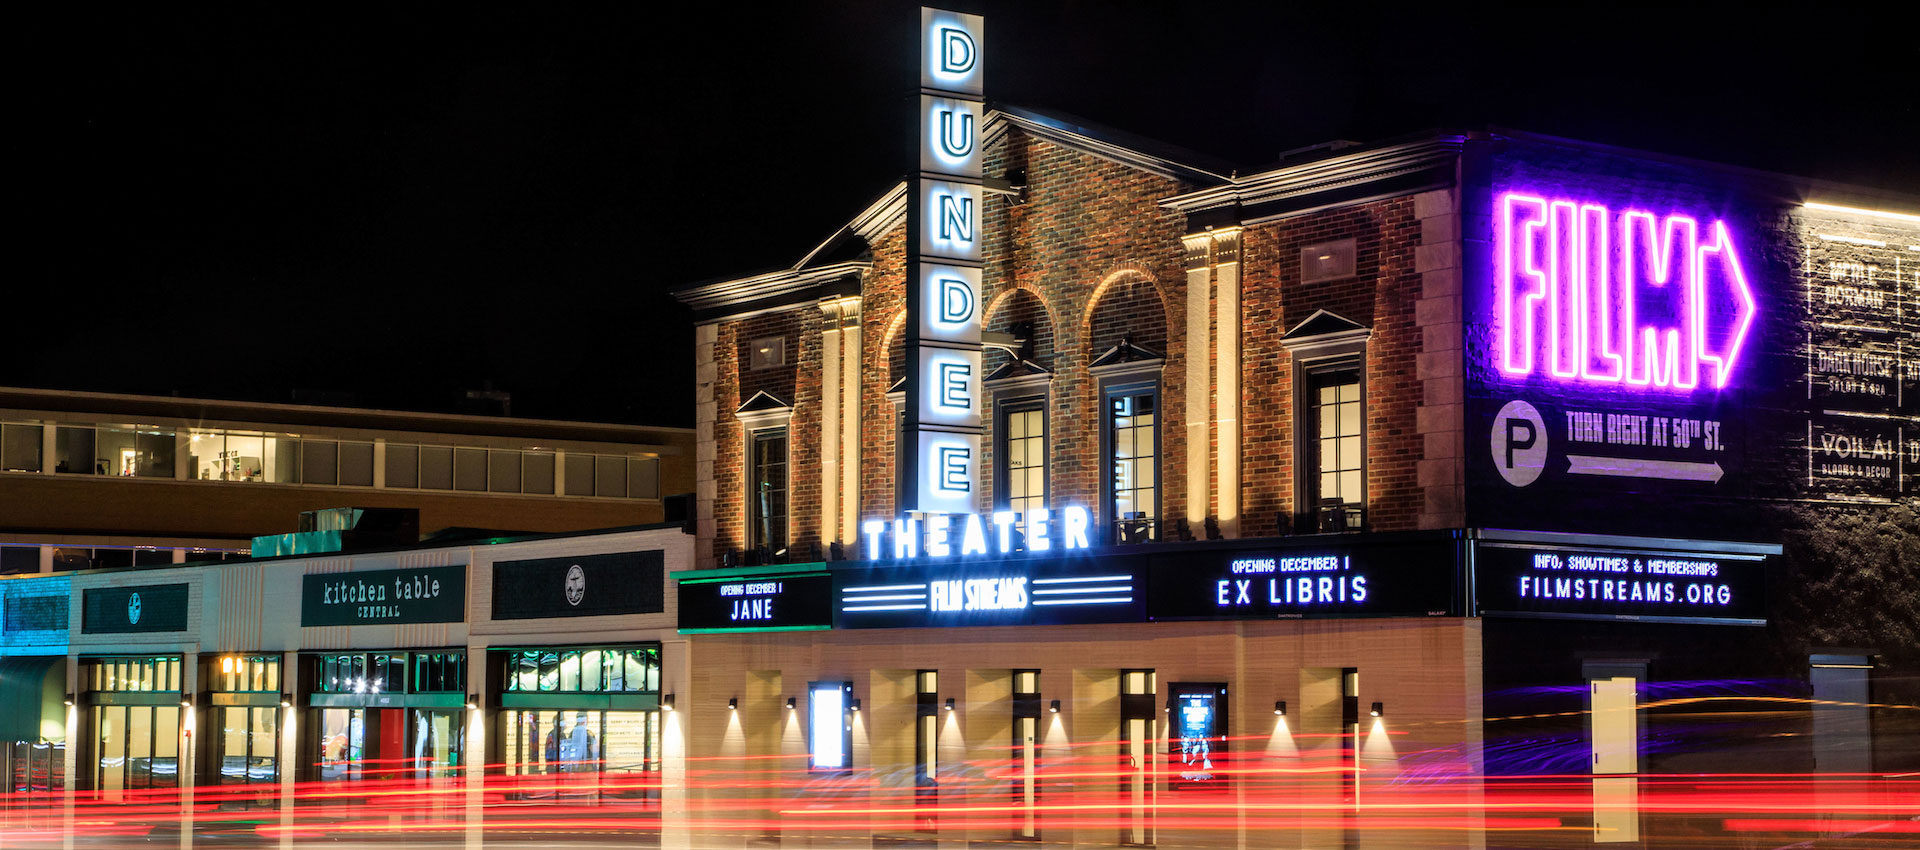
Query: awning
{"type": "Point", "coordinates": [32, 689]}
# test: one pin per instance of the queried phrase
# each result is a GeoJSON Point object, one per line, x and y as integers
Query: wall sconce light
{"type": "Point", "coordinates": [733, 703]}
{"type": "Point", "coordinates": [186, 703]}
{"type": "Point", "coordinates": [69, 700]}
{"type": "Point", "coordinates": [949, 703]}
{"type": "Point", "coordinates": [854, 705]}
{"type": "Point", "coordinates": [287, 703]}
{"type": "Point", "coordinates": [473, 702]}
{"type": "Point", "coordinates": [1376, 710]}
{"type": "Point", "coordinates": [666, 701]}
{"type": "Point", "coordinates": [790, 703]}
{"type": "Point", "coordinates": [1053, 707]}
{"type": "Point", "coordinates": [1280, 707]}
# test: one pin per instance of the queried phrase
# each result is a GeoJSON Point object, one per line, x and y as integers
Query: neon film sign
{"type": "Point", "coordinates": [1585, 293]}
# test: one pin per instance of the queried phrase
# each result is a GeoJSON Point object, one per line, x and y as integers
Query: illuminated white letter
{"type": "Point", "coordinates": [973, 537]}
{"type": "Point", "coordinates": [1004, 520]}
{"type": "Point", "coordinates": [906, 538]}
{"type": "Point", "coordinates": [1037, 531]}
{"type": "Point", "coordinates": [874, 528]}
{"type": "Point", "coordinates": [937, 536]}
{"type": "Point", "coordinates": [1075, 534]}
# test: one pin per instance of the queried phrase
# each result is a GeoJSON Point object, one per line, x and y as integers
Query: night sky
{"type": "Point", "coordinates": [388, 206]}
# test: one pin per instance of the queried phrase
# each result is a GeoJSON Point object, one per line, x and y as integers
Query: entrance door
{"type": "Point", "coordinates": [343, 735]}
{"type": "Point", "coordinates": [249, 745]}
{"type": "Point", "coordinates": [1026, 761]}
{"type": "Point", "coordinates": [438, 742]}
{"type": "Point", "coordinates": [138, 747]}
{"type": "Point", "coordinates": [1616, 724]}
{"type": "Point", "coordinates": [1842, 726]}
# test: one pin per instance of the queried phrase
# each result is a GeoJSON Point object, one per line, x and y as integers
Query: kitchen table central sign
{"type": "Point", "coordinates": [580, 586]}
{"type": "Point", "coordinates": [373, 597]}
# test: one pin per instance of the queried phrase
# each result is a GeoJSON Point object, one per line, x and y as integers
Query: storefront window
{"type": "Point", "coordinates": [248, 673]}
{"type": "Point", "coordinates": [248, 745]}
{"type": "Point", "coordinates": [136, 746]}
{"type": "Point", "coordinates": [598, 670]}
{"type": "Point", "coordinates": [592, 751]}
{"type": "Point", "coordinates": [362, 673]}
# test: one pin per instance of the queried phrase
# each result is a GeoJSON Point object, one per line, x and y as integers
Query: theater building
{"type": "Point", "coordinates": [1460, 454]}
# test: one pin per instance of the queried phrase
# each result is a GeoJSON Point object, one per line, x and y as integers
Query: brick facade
{"type": "Point", "coordinates": [1088, 255]}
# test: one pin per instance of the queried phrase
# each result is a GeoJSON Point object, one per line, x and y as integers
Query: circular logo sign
{"type": "Point", "coordinates": [1519, 443]}
{"type": "Point", "coordinates": [576, 584]}
{"type": "Point", "coordinates": [133, 609]}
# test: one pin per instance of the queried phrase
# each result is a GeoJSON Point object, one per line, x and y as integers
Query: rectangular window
{"type": "Point", "coordinates": [356, 464]}
{"type": "Point", "coordinates": [470, 469]}
{"type": "Point", "coordinates": [1023, 456]}
{"type": "Point", "coordinates": [436, 468]}
{"type": "Point", "coordinates": [632, 670]}
{"type": "Point", "coordinates": [643, 478]}
{"type": "Point", "coordinates": [579, 475]}
{"type": "Point", "coordinates": [15, 560]}
{"type": "Point", "coordinates": [767, 353]}
{"type": "Point", "coordinates": [283, 464]}
{"type": "Point", "coordinates": [73, 452]}
{"type": "Point", "coordinates": [403, 466]}
{"type": "Point", "coordinates": [537, 474]}
{"type": "Point", "coordinates": [1337, 477]}
{"type": "Point", "coordinates": [133, 454]}
{"type": "Point", "coordinates": [319, 462]}
{"type": "Point", "coordinates": [610, 477]}
{"type": "Point", "coordinates": [767, 489]}
{"type": "Point", "coordinates": [503, 471]}
{"type": "Point", "coordinates": [20, 447]}
{"type": "Point", "coordinates": [1133, 463]}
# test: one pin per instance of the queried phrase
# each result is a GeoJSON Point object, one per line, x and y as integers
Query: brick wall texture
{"type": "Point", "coordinates": [1088, 258]}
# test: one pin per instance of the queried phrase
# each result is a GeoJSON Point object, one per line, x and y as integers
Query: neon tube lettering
{"type": "Point", "coordinates": [1583, 293]}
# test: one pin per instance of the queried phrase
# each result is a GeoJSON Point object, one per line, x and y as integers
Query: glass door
{"type": "Point", "coordinates": [439, 741]}
{"type": "Point", "coordinates": [343, 733]}
{"type": "Point", "coordinates": [249, 745]}
{"type": "Point", "coordinates": [138, 747]}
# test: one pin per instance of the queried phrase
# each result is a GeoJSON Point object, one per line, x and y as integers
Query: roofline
{"type": "Point", "coordinates": [1106, 143]}
{"type": "Point", "coordinates": [1846, 191]}
{"type": "Point", "coordinates": [710, 301]}
{"type": "Point", "coordinates": [62, 400]}
{"type": "Point", "coordinates": [1338, 171]}
{"type": "Point", "coordinates": [737, 297]}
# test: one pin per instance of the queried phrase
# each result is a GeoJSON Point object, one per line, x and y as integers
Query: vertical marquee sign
{"type": "Point", "coordinates": [945, 212]}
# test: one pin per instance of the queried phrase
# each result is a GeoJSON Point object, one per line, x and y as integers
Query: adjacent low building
{"type": "Point", "coordinates": [541, 655]}
{"type": "Point", "coordinates": [101, 480]}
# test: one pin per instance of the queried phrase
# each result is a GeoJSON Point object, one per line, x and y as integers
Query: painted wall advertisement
{"type": "Point", "coordinates": [1656, 349]}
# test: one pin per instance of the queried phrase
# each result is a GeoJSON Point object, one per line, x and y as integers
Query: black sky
{"type": "Point", "coordinates": [403, 203]}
